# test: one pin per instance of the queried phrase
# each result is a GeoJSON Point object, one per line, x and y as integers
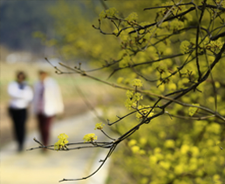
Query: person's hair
{"type": "Point", "coordinates": [21, 73]}
{"type": "Point", "coordinates": [42, 72]}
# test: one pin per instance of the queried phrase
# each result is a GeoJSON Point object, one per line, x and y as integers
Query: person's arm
{"type": "Point", "coordinates": [29, 93]}
{"type": "Point", "coordinates": [16, 93]}
{"type": "Point", "coordinates": [60, 105]}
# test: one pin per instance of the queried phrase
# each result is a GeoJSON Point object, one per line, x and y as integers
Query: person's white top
{"type": "Point", "coordinates": [51, 100]}
{"type": "Point", "coordinates": [20, 98]}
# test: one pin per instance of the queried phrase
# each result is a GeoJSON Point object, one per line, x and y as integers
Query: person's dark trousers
{"type": "Point", "coordinates": [19, 117]}
{"type": "Point", "coordinates": [44, 123]}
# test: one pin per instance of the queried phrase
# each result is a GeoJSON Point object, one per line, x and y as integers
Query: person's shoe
{"type": "Point", "coordinates": [20, 149]}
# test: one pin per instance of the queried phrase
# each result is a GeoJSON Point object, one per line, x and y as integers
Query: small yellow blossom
{"type": "Point", "coordinates": [179, 169]}
{"type": "Point", "coordinates": [135, 149]}
{"type": "Point", "coordinates": [111, 12]}
{"type": "Point", "coordinates": [169, 143]}
{"type": "Point", "coordinates": [102, 15]}
{"type": "Point", "coordinates": [165, 165]}
{"type": "Point", "coordinates": [120, 80]}
{"type": "Point", "coordinates": [90, 137]}
{"type": "Point", "coordinates": [132, 99]}
{"type": "Point", "coordinates": [143, 111]}
{"type": "Point", "coordinates": [63, 136]}
{"type": "Point", "coordinates": [61, 143]}
{"type": "Point", "coordinates": [143, 141]}
{"type": "Point", "coordinates": [132, 17]}
{"type": "Point", "coordinates": [185, 46]}
{"type": "Point", "coordinates": [184, 149]}
{"type": "Point", "coordinates": [99, 126]}
{"type": "Point", "coordinates": [132, 142]}
{"type": "Point", "coordinates": [142, 152]}
{"type": "Point", "coordinates": [137, 82]}
{"type": "Point", "coordinates": [153, 160]}
{"type": "Point", "coordinates": [195, 151]}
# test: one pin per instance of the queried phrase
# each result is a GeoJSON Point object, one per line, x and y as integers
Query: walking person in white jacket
{"type": "Point", "coordinates": [47, 103]}
{"type": "Point", "coordinates": [21, 95]}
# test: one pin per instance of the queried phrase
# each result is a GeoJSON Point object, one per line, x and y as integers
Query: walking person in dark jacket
{"type": "Point", "coordinates": [21, 95]}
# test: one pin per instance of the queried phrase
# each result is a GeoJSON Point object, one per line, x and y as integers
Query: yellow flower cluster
{"type": "Point", "coordinates": [135, 148]}
{"type": "Point", "coordinates": [99, 126]}
{"type": "Point", "coordinates": [214, 45]}
{"type": "Point", "coordinates": [143, 111]}
{"type": "Point", "coordinates": [132, 17]}
{"type": "Point", "coordinates": [90, 137]}
{"type": "Point", "coordinates": [111, 12]}
{"type": "Point", "coordinates": [171, 7]}
{"type": "Point", "coordinates": [185, 46]}
{"type": "Point", "coordinates": [132, 99]}
{"type": "Point", "coordinates": [125, 62]}
{"type": "Point", "coordinates": [61, 143]}
{"type": "Point", "coordinates": [120, 80]}
{"type": "Point", "coordinates": [137, 83]}
{"type": "Point", "coordinates": [169, 143]}
{"type": "Point", "coordinates": [176, 25]}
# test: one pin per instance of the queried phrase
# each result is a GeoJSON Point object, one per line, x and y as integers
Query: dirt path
{"type": "Point", "coordinates": [36, 167]}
